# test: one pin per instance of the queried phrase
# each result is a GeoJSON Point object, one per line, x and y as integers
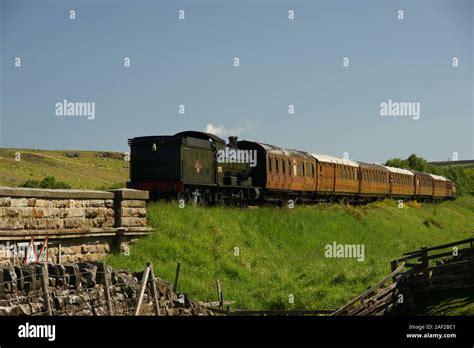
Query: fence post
{"type": "Point", "coordinates": [394, 266]}
{"type": "Point", "coordinates": [45, 288]}
{"type": "Point", "coordinates": [104, 270]}
{"type": "Point", "coordinates": [176, 278]}
{"type": "Point", "coordinates": [154, 292]}
{"type": "Point", "coordinates": [142, 290]}
{"type": "Point", "coordinates": [424, 265]}
{"type": "Point", "coordinates": [220, 297]}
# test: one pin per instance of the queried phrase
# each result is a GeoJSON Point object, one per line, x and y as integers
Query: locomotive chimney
{"type": "Point", "coordinates": [233, 141]}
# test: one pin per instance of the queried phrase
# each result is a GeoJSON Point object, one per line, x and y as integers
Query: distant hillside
{"type": "Point", "coordinates": [81, 169]}
{"type": "Point", "coordinates": [462, 163]}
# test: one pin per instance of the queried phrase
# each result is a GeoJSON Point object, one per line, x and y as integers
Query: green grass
{"type": "Point", "coordinates": [282, 250]}
{"type": "Point", "coordinates": [88, 171]}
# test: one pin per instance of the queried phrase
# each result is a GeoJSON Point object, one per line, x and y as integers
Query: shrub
{"type": "Point", "coordinates": [48, 182]}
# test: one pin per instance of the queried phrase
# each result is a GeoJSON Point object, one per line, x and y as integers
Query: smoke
{"type": "Point", "coordinates": [223, 132]}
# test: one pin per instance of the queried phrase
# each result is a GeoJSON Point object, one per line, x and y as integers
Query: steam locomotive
{"type": "Point", "coordinates": [198, 166]}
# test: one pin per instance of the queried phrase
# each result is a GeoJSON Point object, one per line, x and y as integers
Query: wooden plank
{"type": "Point", "coordinates": [445, 277]}
{"type": "Point", "coordinates": [220, 297]}
{"type": "Point", "coordinates": [377, 306]}
{"type": "Point", "coordinates": [103, 268]}
{"type": "Point", "coordinates": [466, 251]}
{"type": "Point", "coordinates": [446, 266]}
{"type": "Point", "coordinates": [142, 290]}
{"type": "Point", "coordinates": [216, 303]}
{"type": "Point", "coordinates": [372, 289]}
{"type": "Point", "coordinates": [154, 291]}
{"type": "Point", "coordinates": [448, 287]}
{"type": "Point", "coordinates": [45, 288]}
{"type": "Point", "coordinates": [464, 241]}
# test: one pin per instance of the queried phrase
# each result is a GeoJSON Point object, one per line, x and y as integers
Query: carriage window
{"type": "Point", "coordinates": [270, 164]}
{"type": "Point", "coordinates": [276, 165]}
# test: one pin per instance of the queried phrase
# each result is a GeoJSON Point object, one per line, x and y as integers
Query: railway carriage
{"type": "Point", "coordinates": [189, 165]}
{"type": "Point", "coordinates": [282, 173]}
{"type": "Point", "coordinates": [374, 180]}
{"type": "Point", "coordinates": [423, 186]}
{"type": "Point", "coordinates": [336, 176]}
{"type": "Point", "coordinates": [442, 187]}
{"type": "Point", "coordinates": [401, 182]}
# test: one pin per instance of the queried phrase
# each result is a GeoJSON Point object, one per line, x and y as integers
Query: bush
{"type": "Point", "coordinates": [49, 182]}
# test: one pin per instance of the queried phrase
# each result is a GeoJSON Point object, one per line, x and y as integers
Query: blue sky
{"type": "Point", "coordinates": [282, 62]}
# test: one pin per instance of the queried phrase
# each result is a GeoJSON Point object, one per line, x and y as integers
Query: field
{"type": "Point", "coordinates": [90, 170]}
{"type": "Point", "coordinates": [281, 252]}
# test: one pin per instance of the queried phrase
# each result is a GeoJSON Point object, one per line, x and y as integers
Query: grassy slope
{"type": "Point", "coordinates": [282, 250]}
{"type": "Point", "coordinates": [87, 171]}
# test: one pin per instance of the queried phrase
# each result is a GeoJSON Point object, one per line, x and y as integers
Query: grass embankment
{"type": "Point", "coordinates": [282, 251]}
{"type": "Point", "coordinates": [90, 170]}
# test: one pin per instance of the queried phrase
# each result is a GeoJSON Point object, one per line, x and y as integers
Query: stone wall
{"type": "Point", "coordinates": [79, 289]}
{"type": "Point", "coordinates": [81, 225]}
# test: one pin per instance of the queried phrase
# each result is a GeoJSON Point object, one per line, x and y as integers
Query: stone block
{"type": "Point", "coordinates": [91, 213]}
{"type": "Point", "coordinates": [74, 223]}
{"type": "Point", "coordinates": [31, 202]}
{"type": "Point", "coordinates": [5, 201]}
{"type": "Point", "coordinates": [122, 194]}
{"type": "Point", "coordinates": [133, 222]}
{"type": "Point", "coordinates": [96, 203]}
{"type": "Point", "coordinates": [133, 204]}
{"type": "Point", "coordinates": [43, 203]}
{"type": "Point", "coordinates": [133, 212]}
{"type": "Point", "coordinates": [19, 202]}
{"type": "Point", "coordinates": [59, 203]}
{"type": "Point", "coordinates": [76, 213]}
